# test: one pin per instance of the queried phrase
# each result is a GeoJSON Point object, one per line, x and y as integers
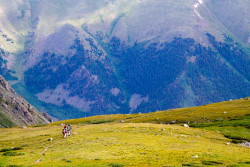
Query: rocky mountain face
{"type": "Point", "coordinates": [15, 111]}
{"type": "Point", "coordinates": [81, 57]}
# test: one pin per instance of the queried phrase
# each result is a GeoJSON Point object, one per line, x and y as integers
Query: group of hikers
{"type": "Point", "coordinates": [66, 130]}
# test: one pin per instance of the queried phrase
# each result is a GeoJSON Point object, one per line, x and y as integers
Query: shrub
{"type": "Point", "coordinates": [218, 119]}
{"type": "Point", "coordinates": [230, 136]}
{"type": "Point", "coordinates": [69, 161]}
{"type": "Point", "coordinates": [22, 153]}
{"type": "Point", "coordinates": [116, 165]}
{"type": "Point", "coordinates": [39, 125]}
{"type": "Point", "coordinates": [247, 162]}
{"type": "Point", "coordinates": [211, 162]}
{"type": "Point", "coordinates": [10, 149]}
{"type": "Point", "coordinates": [5, 149]}
{"type": "Point", "coordinates": [236, 141]}
{"type": "Point", "coordinates": [10, 153]}
{"type": "Point", "coordinates": [17, 148]}
{"type": "Point", "coordinates": [100, 121]}
{"type": "Point", "coordinates": [191, 164]}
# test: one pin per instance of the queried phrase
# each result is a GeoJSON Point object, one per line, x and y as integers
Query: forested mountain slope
{"type": "Point", "coordinates": [78, 58]}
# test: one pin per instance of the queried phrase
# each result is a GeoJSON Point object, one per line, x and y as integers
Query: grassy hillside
{"type": "Point", "coordinates": [120, 145]}
{"type": "Point", "coordinates": [135, 140]}
{"type": "Point", "coordinates": [230, 118]}
{"type": "Point", "coordinates": [203, 114]}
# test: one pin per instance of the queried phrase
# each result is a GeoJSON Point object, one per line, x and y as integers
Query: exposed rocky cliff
{"type": "Point", "coordinates": [15, 111]}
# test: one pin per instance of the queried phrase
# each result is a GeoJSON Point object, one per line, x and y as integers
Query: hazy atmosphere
{"type": "Point", "coordinates": [80, 57]}
{"type": "Point", "coordinates": [121, 72]}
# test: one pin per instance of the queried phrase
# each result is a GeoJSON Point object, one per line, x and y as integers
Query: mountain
{"type": "Point", "coordinates": [80, 58]}
{"type": "Point", "coordinates": [15, 111]}
{"type": "Point", "coordinates": [163, 138]}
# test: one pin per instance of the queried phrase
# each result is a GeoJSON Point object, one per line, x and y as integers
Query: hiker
{"type": "Point", "coordinates": [69, 128]}
{"type": "Point", "coordinates": [64, 131]}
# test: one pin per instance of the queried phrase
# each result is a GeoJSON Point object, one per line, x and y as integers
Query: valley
{"type": "Point", "coordinates": [84, 58]}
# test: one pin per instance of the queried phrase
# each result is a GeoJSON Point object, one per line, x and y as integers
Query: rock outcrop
{"type": "Point", "coordinates": [15, 111]}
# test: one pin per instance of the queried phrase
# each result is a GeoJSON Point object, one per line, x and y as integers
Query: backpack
{"type": "Point", "coordinates": [64, 131]}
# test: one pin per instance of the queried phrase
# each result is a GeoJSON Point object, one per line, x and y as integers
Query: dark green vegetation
{"type": "Point", "coordinates": [211, 162]}
{"type": "Point", "coordinates": [191, 164]}
{"type": "Point", "coordinates": [231, 51]}
{"type": "Point", "coordinates": [49, 79]}
{"type": "Point", "coordinates": [111, 56]}
{"type": "Point", "coordinates": [99, 121]}
{"type": "Point", "coordinates": [116, 165]}
{"type": "Point", "coordinates": [77, 80]}
{"type": "Point", "coordinates": [235, 128]}
{"type": "Point", "coordinates": [58, 112]}
{"type": "Point", "coordinates": [152, 71]}
{"type": "Point", "coordinates": [180, 73]}
{"type": "Point", "coordinates": [4, 71]}
{"type": "Point", "coordinates": [11, 151]}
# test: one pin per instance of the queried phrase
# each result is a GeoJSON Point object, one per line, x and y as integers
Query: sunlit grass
{"type": "Point", "coordinates": [130, 144]}
{"type": "Point", "coordinates": [136, 139]}
{"type": "Point", "coordinates": [202, 114]}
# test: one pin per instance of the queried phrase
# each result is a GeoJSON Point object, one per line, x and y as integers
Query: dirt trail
{"type": "Point", "coordinates": [47, 149]}
{"type": "Point", "coordinates": [42, 153]}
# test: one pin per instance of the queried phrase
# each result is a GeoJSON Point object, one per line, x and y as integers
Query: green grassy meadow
{"type": "Point", "coordinates": [152, 139]}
